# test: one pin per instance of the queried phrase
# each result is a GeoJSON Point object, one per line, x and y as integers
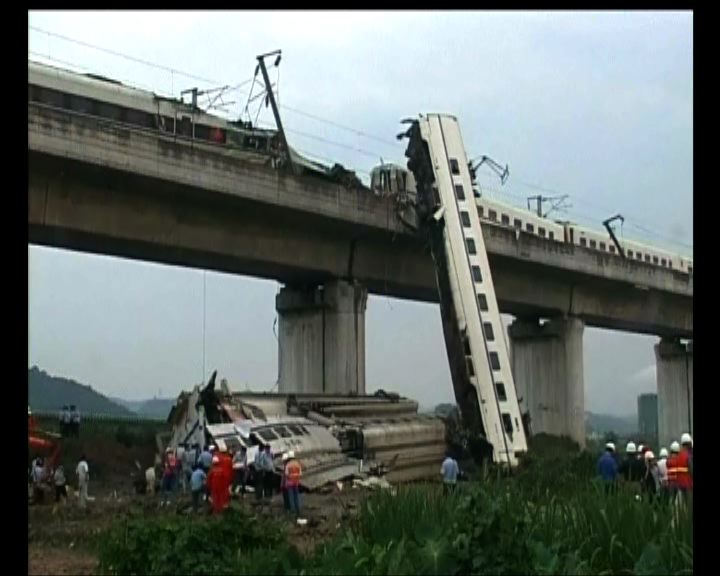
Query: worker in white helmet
{"type": "Point", "coordinates": [608, 468]}
{"type": "Point", "coordinates": [631, 469]}
{"type": "Point", "coordinates": [650, 482]}
{"type": "Point", "coordinates": [662, 470]}
{"type": "Point", "coordinates": [672, 468]}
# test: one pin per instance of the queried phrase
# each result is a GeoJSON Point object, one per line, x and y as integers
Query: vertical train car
{"type": "Point", "coordinates": [477, 350]}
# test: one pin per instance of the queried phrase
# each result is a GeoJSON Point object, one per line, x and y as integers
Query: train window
{"type": "Point", "coordinates": [465, 219]}
{"type": "Point", "coordinates": [612, 249]}
{"type": "Point", "coordinates": [670, 264]}
{"type": "Point", "coordinates": [477, 276]}
{"type": "Point", "coordinates": [505, 219]}
{"type": "Point", "coordinates": [690, 269]}
{"type": "Point", "coordinates": [489, 334]}
{"type": "Point", "coordinates": [295, 430]}
{"type": "Point", "coordinates": [470, 367]}
{"type": "Point", "coordinates": [459, 192]}
{"type": "Point", "coordinates": [502, 395]}
{"type": "Point", "coordinates": [232, 443]}
{"type": "Point", "coordinates": [507, 423]}
{"type": "Point", "coordinates": [541, 231]}
{"type": "Point", "coordinates": [530, 228]}
{"type": "Point", "coordinates": [454, 167]}
{"type": "Point", "coordinates": [593, 244]}
{"type": "Point", "coordinates": [492, 215]}
{"type": "Point", "coordinates": [583, 242]}
{"type": "Point", "coordinates": [517, 223]}
{"type": "Point", "coordinates": [267, 434]}
{"type": "Point", "coordinates": [655, 259]}
{"type": "Point", "coordinates": [282, 431]}
{"type": "Point", "coordinates": [551, 235]}
{"type": "Point", "coordinates": [647, 257]}
{"type": "Point", "coordinates": [638, 256]}
{"type": "Point", "coordinates": [471, 246]}
{"type": "Point", "coordinates": [629, 254]}
{"type": "Point", "coordinates": [602, 246]}
{"type": "Point", "coordinates": [494, 361]}
{"type": "Point", "coordinates": [663, 263]}
{"type": "Point", "coordinates": [466, 345]}
{"type": "Point", "coordinates": [482, 302]}
{"type": "Point", "coordinates": [481, 211]}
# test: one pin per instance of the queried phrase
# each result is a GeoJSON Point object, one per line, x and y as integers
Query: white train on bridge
{"type": "Point", "coordinates": [106, 98]}
{"type": "Point", "coordinates": [394, 179]}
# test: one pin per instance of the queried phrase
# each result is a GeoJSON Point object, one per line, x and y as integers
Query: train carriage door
{"type": "Point", "coordinates": [570, 234]}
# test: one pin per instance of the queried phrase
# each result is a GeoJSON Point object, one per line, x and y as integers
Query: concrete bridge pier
{"type": "Point", "coordinates": [321, 333]}
{"type": "Point", "coordinates": [674, 362]}
{"type": "Point", "coordinates": [547, 364]}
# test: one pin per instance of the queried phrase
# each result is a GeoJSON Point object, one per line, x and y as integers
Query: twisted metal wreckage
{"type": "Point", "coordinates": [334, 437]}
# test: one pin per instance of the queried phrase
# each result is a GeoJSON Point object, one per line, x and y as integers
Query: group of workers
{"type": "Point", "coordinates": [70, 421]}
{"type": "Point", "coordinates": [669, 477]}
{"type": "Point", "coordinates": [212, 475]}
{"type": "Point", "coordinates": [41, 474]}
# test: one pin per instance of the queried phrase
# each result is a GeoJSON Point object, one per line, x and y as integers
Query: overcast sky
{"type": "Point", "coordinates": [594, 105]}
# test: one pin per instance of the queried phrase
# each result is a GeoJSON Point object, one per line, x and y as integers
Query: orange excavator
{"type": "Point", "coordinates": [42, 443]}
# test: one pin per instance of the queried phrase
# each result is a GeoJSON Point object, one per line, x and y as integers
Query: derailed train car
{"type": "Point", "coordinates": [108, 99]}
{"type": "Point", "coordinates": [333, 436]}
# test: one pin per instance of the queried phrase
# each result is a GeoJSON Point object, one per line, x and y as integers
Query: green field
{"type": "Point", "coordinates": [550, 517]}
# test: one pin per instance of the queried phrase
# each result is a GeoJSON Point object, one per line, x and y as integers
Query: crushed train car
{"type": "Point", "coordinates": [333, 436]}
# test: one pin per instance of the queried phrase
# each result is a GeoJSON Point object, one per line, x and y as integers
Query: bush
{"type": "Point", "coordinates": [228, 544]}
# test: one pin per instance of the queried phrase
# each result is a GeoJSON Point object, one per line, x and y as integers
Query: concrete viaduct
{"type": "Point", "coordinates": [101, 187]}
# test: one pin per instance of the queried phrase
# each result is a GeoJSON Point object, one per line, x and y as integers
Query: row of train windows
{"type": "Point", "coordinates": [482, 299]}
{"type": "Point", "coordinates": [639, 256]}
{"type": "Point", "coordinates": [276, 432]}
{"type": "Point", "coordinates": [517, 223]}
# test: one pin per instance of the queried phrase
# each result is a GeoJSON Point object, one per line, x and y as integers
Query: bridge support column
{"type": "Point", "coordinates": [674, 362]}
{"type": "Point", "coordinates": [321, 337]}
{"type": "Point", "coordinates": [547, 364]}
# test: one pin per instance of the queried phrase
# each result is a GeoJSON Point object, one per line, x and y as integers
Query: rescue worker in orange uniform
{"type": "Point", "coordinates": [672, 470]}
{"type": "Point", "coordinates": [292, 475]}
{"type": "Point", "coordinates": [218, 486]}
{"type": "Point", "coordinates": [684, 471]}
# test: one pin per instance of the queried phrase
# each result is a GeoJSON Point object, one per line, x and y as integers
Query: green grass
{"type": "Point", "coordinates": [550, 517]}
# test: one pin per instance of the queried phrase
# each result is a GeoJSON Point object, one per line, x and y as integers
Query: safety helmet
{"type": "Point", "coordinates": [663, 453]}
{"type": "Point", "coordinates": [285, 456]}
{"type": "Point", "coordinates": [630, 448]}
{"type": "Point", "coordinates": [686, 439]}
{"type": "Point", "coordinates": [291, 454]}
{"type": "Point", "coordinates": [610, 446]}
{"type": "Point", "coordinates": [675, 447]}
{"type": "Point", "coordinates": [215, 460]}
{"type": "Point", "coordinates": [649, 455]}
{"type": "Point", "coordinates": [641, 448]}
{"type": "Point", "coordinates": [212, 447]}
{"type": "Point", "coordinates": [223, 448]}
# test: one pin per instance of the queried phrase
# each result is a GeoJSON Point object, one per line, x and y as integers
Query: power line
{"type": "Point", "coordinates": [341, 126]}
{"type": "Point", "coordinates": [125, 56]}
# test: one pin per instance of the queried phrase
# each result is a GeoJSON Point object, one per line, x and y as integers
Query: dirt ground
{"type": "Point", "coordinates": [61, 538]}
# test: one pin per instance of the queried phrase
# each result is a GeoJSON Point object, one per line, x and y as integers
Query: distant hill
{"type": "Point", "coordinates": [153, 408]}
{"type": "Point", "coordinates": [46, 392]}
{"type": "Point", "coordinates": [602, 423]}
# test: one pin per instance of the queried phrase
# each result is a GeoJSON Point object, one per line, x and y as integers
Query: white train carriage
{"type": "Point", "coordinates": [602, 242]}
{"type": "Point", "coordinates": [477, 351]}
{"type": "Point", "coordinates": [523, 220]}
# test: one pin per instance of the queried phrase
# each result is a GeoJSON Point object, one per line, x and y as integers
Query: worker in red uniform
{"type": "Point", "coordinates": [218, 486]}
{"type": "Point", "coordinates": [683, 470]}
{"type": "Point", "coordinates": [226, 465]}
